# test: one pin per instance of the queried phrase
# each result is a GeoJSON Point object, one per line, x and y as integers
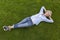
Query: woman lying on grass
{"type": "Point", "coordinates": [43, 15]}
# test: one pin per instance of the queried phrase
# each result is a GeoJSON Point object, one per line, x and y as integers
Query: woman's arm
{"type": "Point", "coordinates": [50, 20]}
{"type": "Point", "coordinates": [42, 10]}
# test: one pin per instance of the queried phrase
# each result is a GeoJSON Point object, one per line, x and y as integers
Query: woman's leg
{"type": "Point", "coordinates": [25, 23]}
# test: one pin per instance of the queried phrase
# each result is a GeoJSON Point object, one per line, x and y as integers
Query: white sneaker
{"type": "Point", "coordinates": [6, 28]}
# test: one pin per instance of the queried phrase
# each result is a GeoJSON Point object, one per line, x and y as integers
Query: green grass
{"type": "Point", "coordinates": [13, 11]}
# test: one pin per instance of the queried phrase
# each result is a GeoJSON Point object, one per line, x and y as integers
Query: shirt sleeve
{"type": "Point", "coordinates": [42, 10]}
{"type": "Point", "coordinates": [49, 20]}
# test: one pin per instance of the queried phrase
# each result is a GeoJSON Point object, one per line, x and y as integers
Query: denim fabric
{"type": "Point", "coordinates": [27, 22]}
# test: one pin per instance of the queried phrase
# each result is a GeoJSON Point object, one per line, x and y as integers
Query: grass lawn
{"type": "Point", "coordinates": [13, 11]}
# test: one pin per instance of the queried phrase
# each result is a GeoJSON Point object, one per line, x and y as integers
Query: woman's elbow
{"type": "Point", "coordinates": [52, 22]}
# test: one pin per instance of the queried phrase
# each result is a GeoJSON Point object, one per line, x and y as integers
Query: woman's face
{"type": "Point", "coordinates": [48, 13]}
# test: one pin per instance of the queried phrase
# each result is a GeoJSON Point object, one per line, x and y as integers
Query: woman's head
{"type": "Point", "coordinates": [48, 13]}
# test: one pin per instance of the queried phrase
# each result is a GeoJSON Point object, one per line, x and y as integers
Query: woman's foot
{"type": "Point", "coordinates": [8, 28]}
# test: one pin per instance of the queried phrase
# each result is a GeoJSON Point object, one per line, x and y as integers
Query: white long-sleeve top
{"type": "Point", "coordinates": [36, 19]}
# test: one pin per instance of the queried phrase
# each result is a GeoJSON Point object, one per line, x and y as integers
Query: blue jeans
{"type": "Point", "coordinates": [24, 23]}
